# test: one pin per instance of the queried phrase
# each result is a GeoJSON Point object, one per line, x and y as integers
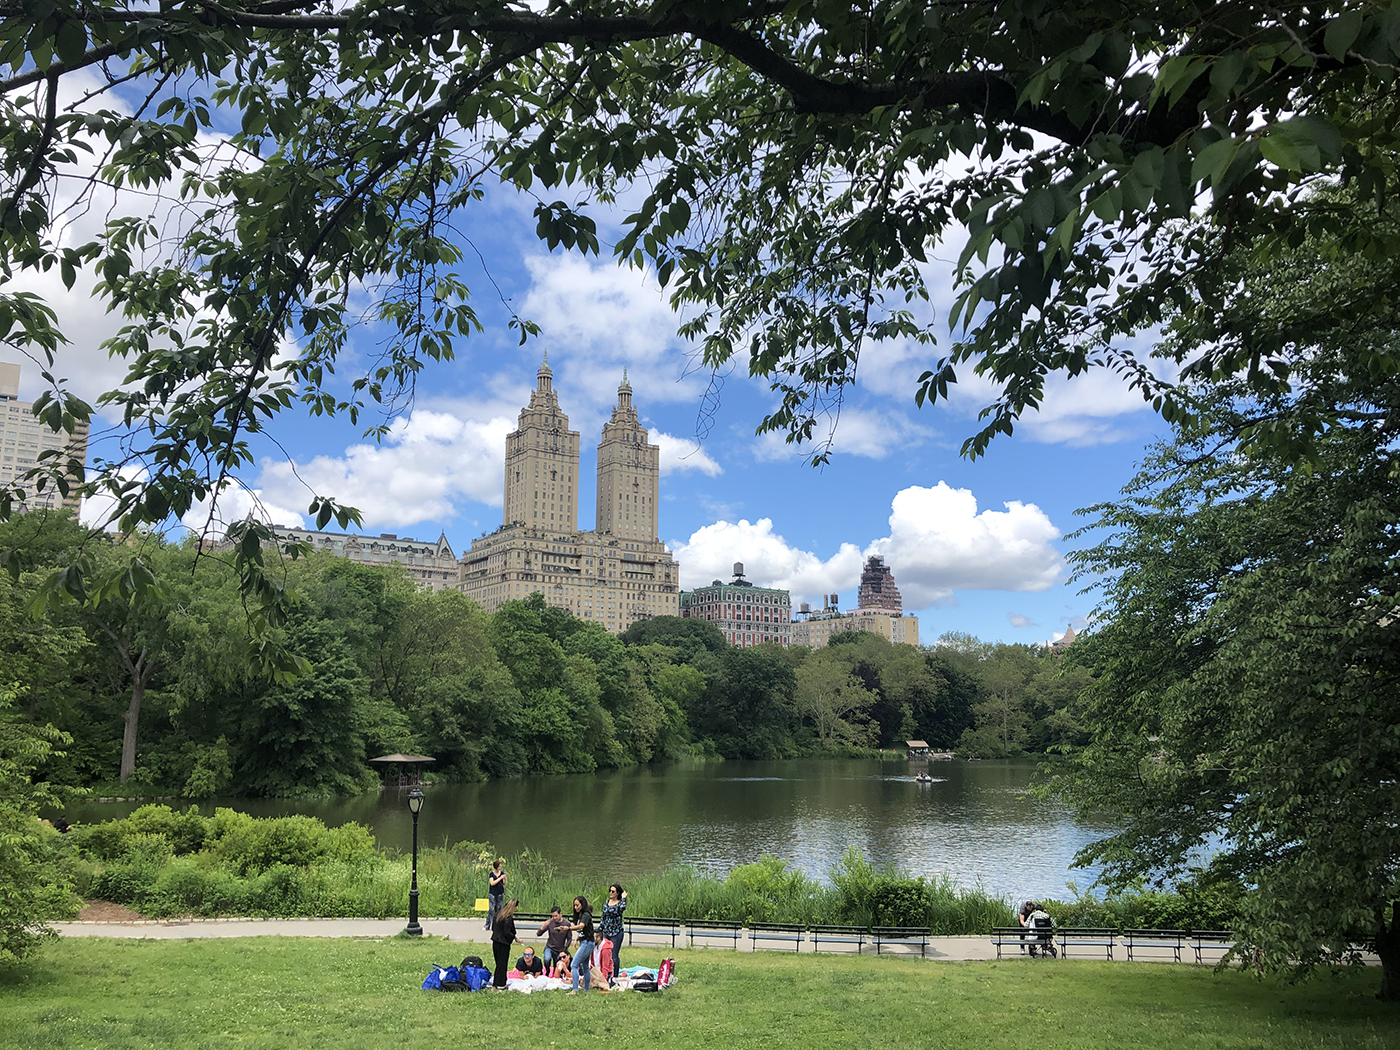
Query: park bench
{"type": "Point", "coordinates": [1088, 937]}
{"type": "Point", "coordinates": [1203, 939]}
{"type": "Point", "coordinates": [1170, 940]}
{"type": "Point", "coordinates": [1018, 937]}
{"type": "Point", "coordinates": [650, 927]}
{"type": "Point", "coordinates": [856, 935]}
{"type": "Point", "coordinates": [782, 932]}
{"type": "Point", "coordinates": [714, 930]}
{"type": "Point", "coordinates": [912, 936]}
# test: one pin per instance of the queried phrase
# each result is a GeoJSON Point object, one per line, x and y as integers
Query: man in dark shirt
{"type": "Point", "coordinates": [529, 964]}
{"type": "Point", "coordinates": [557, 935]}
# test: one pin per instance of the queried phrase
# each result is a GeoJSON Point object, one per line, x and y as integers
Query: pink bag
{"type": "Point", "coordinates": [667, 973]}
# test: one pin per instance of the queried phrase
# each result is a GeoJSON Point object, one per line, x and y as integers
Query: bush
{"type": "Point", "coordinates": [186, 832]}
{"type": "Point", "coordinates": [254, 845]}
{"type": "Point", "coordinates": [132, 877]}
{"type": "Point", "coordinates": [899, 902]}
{"type": "Point", "coordinates": [34, 887]}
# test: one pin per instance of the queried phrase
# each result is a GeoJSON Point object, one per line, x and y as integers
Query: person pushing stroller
{"type": "Point", "coordinates": [1040, 930]}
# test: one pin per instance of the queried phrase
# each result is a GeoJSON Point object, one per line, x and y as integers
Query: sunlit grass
{"type": "Point", "coordinates": [279, 992]}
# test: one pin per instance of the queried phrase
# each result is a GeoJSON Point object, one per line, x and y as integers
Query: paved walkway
{"type": "Point", "coordinates": [471, 931]}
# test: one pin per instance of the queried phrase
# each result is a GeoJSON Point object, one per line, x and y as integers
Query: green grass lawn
{"type": "Point", "coordinates": [285, 993]}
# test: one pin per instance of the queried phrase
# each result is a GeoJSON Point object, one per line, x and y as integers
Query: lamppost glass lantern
{"type": "Point", "coordinates": [415, 803]}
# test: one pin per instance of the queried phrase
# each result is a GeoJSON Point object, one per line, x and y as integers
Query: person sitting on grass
{"type": "Point", "coordinates": [530, 964]}
{"type": "Point", "coordinates": [563, 962]}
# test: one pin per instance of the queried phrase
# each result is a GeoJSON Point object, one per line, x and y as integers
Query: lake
{"type": "Point", "coordinates": [975, 822]}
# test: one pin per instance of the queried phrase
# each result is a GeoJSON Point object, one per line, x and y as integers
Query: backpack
{"type": "Point", "coordinates": [472, 960]}
{"type": "Point", "coordinates": [645, 986]}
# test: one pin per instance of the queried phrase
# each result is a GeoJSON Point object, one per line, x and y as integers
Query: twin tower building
{"type": "Point", "coordinates": [614, 574]}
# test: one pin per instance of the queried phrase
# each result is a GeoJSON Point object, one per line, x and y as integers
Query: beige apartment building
{"type": "Point", "coordinates": [880, 611]}
{"type": "Point", "coordinates": [433, 566]}
{"type": "Point", "coordinates": [23, 438]}
{"type": "Point", "coordinates": [614, 574]}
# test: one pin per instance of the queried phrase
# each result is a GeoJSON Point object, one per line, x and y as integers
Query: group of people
{"type": "Point", "coordinates": [599, 947]}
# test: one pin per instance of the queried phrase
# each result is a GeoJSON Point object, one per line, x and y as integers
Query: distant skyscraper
{"type": "Point", "coordinates": [615, 574]}
{"type": "Point", "coordinates": [877, 588]}
{"type": "Point", "coordinates": [22, 438]}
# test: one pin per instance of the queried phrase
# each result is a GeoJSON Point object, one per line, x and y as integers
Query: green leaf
{"type": "Point", "coordinates": [1341, 33]}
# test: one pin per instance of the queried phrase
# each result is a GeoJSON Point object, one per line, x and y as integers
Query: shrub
{"type": "Point", "coordinates": [899, 902]}
{"type": "Point", "coordinates": [132, 877]}
{"type": "Point", "coordinates": [253, 846]}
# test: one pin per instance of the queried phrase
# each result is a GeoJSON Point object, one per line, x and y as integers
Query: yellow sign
{"type": "Point", "coordinates": [481, 904]}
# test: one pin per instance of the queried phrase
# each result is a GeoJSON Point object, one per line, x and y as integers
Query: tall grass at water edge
{"type": "Point", "coordinates": [165, 863]}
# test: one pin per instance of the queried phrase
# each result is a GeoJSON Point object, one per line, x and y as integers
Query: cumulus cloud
{"type": "Point", "coordinates": [939, 542]}
{"type": "Point", "coordinates": [428, 462]}
{"type": "Point", "coordinates": [597, 318]}
{"type": "Point", "coordinates": [1017, 620]}
{"type": "Point", "coordinates": [769, 560]}
{"type": "Point", "coordinates": [680, 454]}
{"type": "Point", "coordinates": [236, 504]}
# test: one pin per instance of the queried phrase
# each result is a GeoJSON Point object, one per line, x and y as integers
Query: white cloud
{"type": "Point", "coordinates": [98, 511]}
{"type": "Point", "coordinates": [940, 543]}
{"type": "Point", "coordinates": [1017, 620]}
{"type": "Point", "coordinates": [1094, 408]}
{"type": "Point", "coordinates": [857, 432]}
{"type": "Point", "coordinates": [678, 454]}
{"type": "Point", "coordinates": [236, 503]}
{"type": "Point", "coordinates": [597, 319]}
{"type": "Point", "coordinates": [769, 560]}
{"type": "Point", "coordinates": [428, 462]}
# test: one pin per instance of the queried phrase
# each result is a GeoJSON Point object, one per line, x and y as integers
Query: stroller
{"type": "Point", "coordinates": [1041, 934]}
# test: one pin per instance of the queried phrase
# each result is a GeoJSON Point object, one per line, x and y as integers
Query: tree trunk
{"type": "Point", "coordinates": [1388, 949]}
{"type": "Point", "coordinates": [129, 723]}
{"type": "Point", "coordinates": [141, 672]}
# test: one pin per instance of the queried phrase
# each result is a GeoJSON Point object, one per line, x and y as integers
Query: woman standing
{"type": "Point", "coordinates": [610, 926]}
{"type": "Point", "coordinates": [495, 891]}
{"type": "Point", "coordinates": [583, 926]}
{"type": "Point", "coordinates": [502, 937]}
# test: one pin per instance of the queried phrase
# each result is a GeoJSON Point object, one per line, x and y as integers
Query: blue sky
{"type": "Point", "coordinates": [974, 545]}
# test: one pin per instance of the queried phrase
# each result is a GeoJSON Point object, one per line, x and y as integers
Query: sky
{"type": "Point", "coordinates": [975, 546]}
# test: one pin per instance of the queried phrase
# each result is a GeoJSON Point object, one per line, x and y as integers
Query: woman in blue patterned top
{"type": "Point", "coordinates": [610, 926]}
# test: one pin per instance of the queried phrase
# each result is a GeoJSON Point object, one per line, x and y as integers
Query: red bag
{"type": "Point", "coordinates": [667, 973]}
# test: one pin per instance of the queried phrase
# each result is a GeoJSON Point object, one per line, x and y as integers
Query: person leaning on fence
{"type": "Point", "coordinates": [610, 926]}
{"type": "Point", "coordinates": [495, 890]}
{"type": "Point", "coordinates": [556, 935]}
{"type": "Point", "coordinates": [502, 937]}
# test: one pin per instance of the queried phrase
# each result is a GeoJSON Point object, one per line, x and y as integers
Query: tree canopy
{"type": "Point", "coordinates": [1244, 708]}
{"type": "Point", "coordinates": [800, 160]}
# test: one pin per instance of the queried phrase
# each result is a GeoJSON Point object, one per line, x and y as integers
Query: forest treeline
{"type": "Point", "coordinates": [164, 687]}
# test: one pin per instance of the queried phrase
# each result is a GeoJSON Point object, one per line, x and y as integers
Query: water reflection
{"type": "Point", "coordinates": [973, 822]}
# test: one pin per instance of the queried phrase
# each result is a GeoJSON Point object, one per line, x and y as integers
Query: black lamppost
{"type": "Point", "coordinates": [415, 803]}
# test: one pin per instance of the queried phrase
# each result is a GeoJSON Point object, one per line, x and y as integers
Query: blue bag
{"type": "Point", "coordinates": [475, 977]}
{"type": "Point", "coordinates": [442, 976]}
